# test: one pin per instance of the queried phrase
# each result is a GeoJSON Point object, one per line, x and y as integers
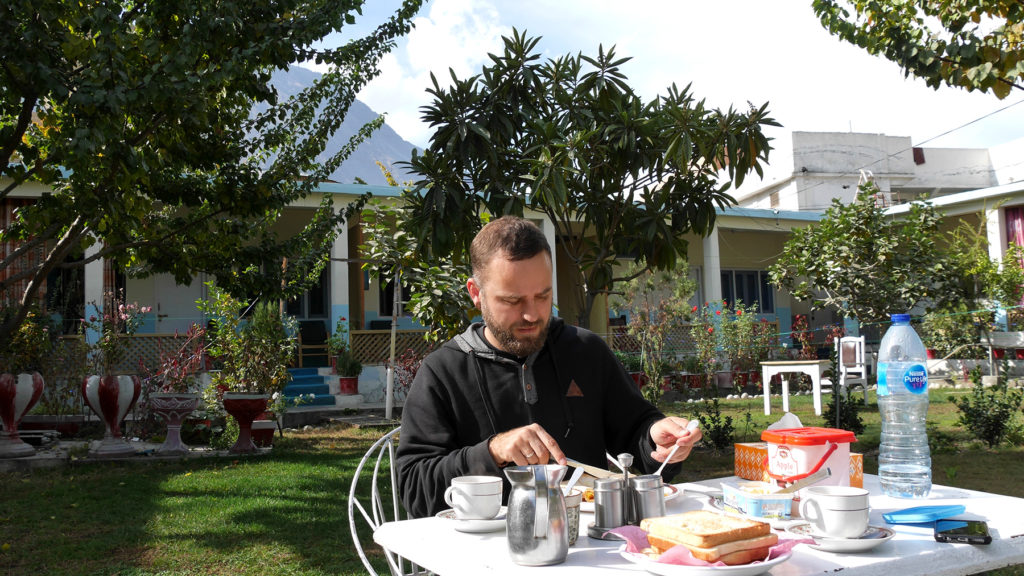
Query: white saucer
{"type": "Point", "coordinates": [871, 537]}
{"type": "Point", "coordinates": [475, 526]}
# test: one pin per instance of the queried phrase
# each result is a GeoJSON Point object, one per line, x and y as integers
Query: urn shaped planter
{"type": "Point", "coordinates": [173, 408]}
{"type": "Point", "coordinates": [18, 393]}
{"type": "Point", "coordinates": [111, 397]}
{"type": "Point", "coordinates": [244, 408]}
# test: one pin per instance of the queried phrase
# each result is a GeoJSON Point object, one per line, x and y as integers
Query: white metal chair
{"type": "Point", "coordinates": [375, 497]}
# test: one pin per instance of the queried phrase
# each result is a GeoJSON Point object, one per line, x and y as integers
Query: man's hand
{"type": "Point", "coordinates": [669, 432]}
{"type": "Point", "coordinates": [527, 445]}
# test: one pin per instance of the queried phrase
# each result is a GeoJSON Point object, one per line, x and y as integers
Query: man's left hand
{"type": "Point", "coordinates": [669, 432]}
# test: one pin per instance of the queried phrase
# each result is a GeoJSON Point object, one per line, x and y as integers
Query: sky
{"type": "Point", "coordinates": [731, 51]}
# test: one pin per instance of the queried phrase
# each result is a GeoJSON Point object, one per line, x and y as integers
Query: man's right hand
{"type": "Point", "coordinates": [523, 446]}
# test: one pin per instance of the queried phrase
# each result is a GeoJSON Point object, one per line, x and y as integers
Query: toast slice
{"type": "Point", "coordinates": [703, 528]}
{"type": "Point", "coordinates": [732, 553]}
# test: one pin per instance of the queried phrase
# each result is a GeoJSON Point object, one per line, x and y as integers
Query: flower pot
{"type": "Point", "coordinates": [17, 396]}
{"type": "Point", "coordinates": [932, 354]}
{"type": "Point", "coordinates": [173, 408]}
{"type": "Point", "coordinates": [111, 397]}
{"type": "Point", "coordinates": [348, 384]}
{"type": "Point", "coordinates": [1019, 353]}
{"type": "Point", "coordinates": [638, 379]}
{"type": "Point", "coordinates": [244, 408]}
{"type": "Point", "coordinates": [998, 353]}
{"type": "Point", "coordinates": [263, 433]}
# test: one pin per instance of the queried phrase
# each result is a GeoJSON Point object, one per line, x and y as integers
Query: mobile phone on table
{"type": "Point", "coordinates": [966, 531]}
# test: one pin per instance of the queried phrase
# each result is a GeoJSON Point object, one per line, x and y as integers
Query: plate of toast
{"type": "Point", "coordinates": [703, 541]}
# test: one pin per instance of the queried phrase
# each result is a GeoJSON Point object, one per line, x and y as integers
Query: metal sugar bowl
{"type": "Point", "coordinates": [536, 521]}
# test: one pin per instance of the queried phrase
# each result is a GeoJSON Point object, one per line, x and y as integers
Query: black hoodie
{"type": "Point", "coordinates": [467, 391]}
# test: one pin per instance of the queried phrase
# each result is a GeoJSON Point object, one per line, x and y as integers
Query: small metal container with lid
{"type": "Point", "coordinates": [609, 503]}
{"type": "Point", "coordinates": [648, 497]}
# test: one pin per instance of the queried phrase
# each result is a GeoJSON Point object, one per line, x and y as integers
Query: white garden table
{"type": "Point", "coordinates": [434, 544]}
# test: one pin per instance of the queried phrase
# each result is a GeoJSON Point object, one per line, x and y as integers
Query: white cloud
{"type": "Point", "coordinates": [732, 51]}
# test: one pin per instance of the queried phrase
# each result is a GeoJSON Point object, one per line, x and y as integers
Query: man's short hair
{"type": "Point", "coordinates": [510, 237]}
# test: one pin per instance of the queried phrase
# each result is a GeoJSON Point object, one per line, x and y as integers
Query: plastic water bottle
{"type": "Point", "coordinates": [904, 462]}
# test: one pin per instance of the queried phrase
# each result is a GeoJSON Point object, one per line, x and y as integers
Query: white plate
{"type": "Point", "coordinates": [684, 570]}
{"type": "Point", "coordinates": [871, 537]}
{"type": "Point", "coordinates": [670, 493]}
{"type": "Point", "coordinates": [475, 526]}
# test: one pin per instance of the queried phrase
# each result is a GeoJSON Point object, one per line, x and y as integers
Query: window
{"type": "Point", "coordinates": [748, 287]}
{"type": "Point", "coordinates": [387, 299]}
{"type": "Point", "coordinates": [313, 302]}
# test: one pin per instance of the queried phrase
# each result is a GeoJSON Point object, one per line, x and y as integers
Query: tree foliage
{"type": "Point", "coordinates": [862, 263]}
{"type": "Point", "coordinates": [866, 265]}
{"type": "Point", "coordinates": [570, 138]}
{"type": "Point", "coordinates": [973, 44]}
{"type": "Point", "coordinates": [155, 130]}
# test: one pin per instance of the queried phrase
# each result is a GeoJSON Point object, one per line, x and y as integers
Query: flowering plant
{"type": "Point", "coordinates": [345, 362]}
{"type": "Point", "coordinates": [30, 345]}
{"type": "Point", "coordinates": [116, 321]}
{"type": "Point", "coordinates": [178, 370]}
{"type": "Point", "coordinates": [705, 337]}
{"type": "Point", "coordinates": [255, 355]}
{"type": "Point", "coordinates": [803, 334]}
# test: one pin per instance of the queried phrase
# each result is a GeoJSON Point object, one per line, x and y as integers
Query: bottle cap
{"type": "Point", "coordinates": [900, 317]}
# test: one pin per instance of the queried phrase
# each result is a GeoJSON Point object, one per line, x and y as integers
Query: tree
{"type": "Point", "coordinates": [158, 137]}
{"type": "Point", "coordinates": [971, 44]}
{"type": "Point", "coordinates": [617, 176]}
{"type": "Point", "coordinates": [862, 263]}
{"type": "Point", "coordinates": [439, 300]}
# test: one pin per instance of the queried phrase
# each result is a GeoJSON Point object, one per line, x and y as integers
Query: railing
{"type": "Point", "coordinates": [678, 339]}
{"type": "Point", "coordinates": [374, 346]}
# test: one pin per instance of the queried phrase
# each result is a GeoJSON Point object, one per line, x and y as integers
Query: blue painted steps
{"type": "Point", "coordinates": [306, 381]}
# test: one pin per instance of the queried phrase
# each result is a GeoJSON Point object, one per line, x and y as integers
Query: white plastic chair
{"type": "Point", "coordinates": [381, 502]}
{"type": "Point", "coordinates": [853, 370]}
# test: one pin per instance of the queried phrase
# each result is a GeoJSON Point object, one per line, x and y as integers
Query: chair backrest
{"type": "Point", "coordinates": [850, 352]}
{"type": "Point", "coordinates": [373, 499]}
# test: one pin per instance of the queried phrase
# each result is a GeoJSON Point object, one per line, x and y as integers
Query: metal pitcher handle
{"type": "Point", "coordinates": [540, 522]}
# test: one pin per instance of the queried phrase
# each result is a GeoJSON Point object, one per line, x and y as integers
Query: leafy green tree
{"type": "Point", "coordinates": [862, 263]}
{"type": "Point", "coordinates": [156, 132]}
{"type": "Point", "coordinates": [973, 44]}
{"type": "Point", "coordinates": [569, 137]}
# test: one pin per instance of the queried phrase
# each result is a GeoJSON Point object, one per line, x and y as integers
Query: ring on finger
{"type": "Point", "coordinates": [530, 455]}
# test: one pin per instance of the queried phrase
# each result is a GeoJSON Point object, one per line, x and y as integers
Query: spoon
{"type": "Point", "coordinates": [576, 473]}
{"type": "Point", "coordinates": [667, 458]}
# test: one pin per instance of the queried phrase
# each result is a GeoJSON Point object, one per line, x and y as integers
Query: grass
{"type": "Point", "coordinates": [286, 513]}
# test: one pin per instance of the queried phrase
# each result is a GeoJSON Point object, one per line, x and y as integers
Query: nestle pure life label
{"type": "Point", "coordinates": [914, 378]}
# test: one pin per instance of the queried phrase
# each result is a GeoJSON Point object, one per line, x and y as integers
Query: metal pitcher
{"type": "Point", "coordinates": [536, 522]}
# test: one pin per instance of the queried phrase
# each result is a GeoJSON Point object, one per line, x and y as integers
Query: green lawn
{"type": "Point", "coordinates": [286, 513]}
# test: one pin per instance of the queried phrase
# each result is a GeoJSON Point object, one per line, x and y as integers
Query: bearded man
{"type": "Point", "coordinates": [522, 387]}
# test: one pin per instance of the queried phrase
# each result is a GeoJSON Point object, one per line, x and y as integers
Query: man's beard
{"type": "Point", "coordinates": [507, 339]}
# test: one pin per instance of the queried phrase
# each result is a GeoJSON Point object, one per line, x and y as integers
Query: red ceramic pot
{"type": "Point", "coordinates": [111, 397]}
{"type": "Point", "coordinates": [244, 408]}
{"type": "Point", "coordinates": [18, 393]}
{"type": "Point", "coordinates": [173, 409]}
{"type": "Point", "coordinates": [348, 384]}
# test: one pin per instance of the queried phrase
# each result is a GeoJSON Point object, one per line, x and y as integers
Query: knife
{"type": "Point", "coordinates": [592, 470]}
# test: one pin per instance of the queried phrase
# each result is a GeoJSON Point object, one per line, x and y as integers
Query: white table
{"type": "Point", "coordinates": [434, 544]}
{"type": "Point", "coordinates": [813, 368]}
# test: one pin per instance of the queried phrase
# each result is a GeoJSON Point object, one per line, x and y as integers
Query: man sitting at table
{"type": "Point", "coordinates": [522, 387]}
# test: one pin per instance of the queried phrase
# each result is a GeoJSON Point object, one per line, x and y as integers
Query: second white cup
{"type": "Point", "coordinates": [836, 511]}
{"type": "Point", "coordinates": [474, 497]}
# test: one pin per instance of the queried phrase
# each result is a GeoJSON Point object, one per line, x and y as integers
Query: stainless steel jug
{"type": "Point", "coordinates": [537, 527]}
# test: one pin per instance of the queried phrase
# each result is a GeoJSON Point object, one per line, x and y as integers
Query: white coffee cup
{"type": "Point", "coordinates": [836, 511]}
{"type": "Point", "coordinates": [474, 497]}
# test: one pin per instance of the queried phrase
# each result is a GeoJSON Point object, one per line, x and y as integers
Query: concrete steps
{"type": "Point", "coordinates": [317, 387]}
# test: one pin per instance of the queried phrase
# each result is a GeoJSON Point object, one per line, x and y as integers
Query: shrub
{"type": "Point", "coordinates": [716, 430]}
{"type": "Point", "coordinates": [988, 413]}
